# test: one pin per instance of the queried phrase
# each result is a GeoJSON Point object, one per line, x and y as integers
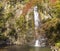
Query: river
{"type": "Point", "coordinates": [24, 48]}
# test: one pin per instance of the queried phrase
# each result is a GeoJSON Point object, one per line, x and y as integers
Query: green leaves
{"type": "Point", "coordinates": [52, 30]}
{"type": "Point", "coordinates": [56, 9]}
{"type": "Point", "coordinates": [21, 24]}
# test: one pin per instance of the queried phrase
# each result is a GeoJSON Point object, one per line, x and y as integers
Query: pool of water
{"type": "Point", "coordinates": [24, 48]}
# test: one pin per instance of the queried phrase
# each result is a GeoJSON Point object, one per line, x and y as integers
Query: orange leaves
{"type": "Point", "coordinates": [26, 8]}
{"type": "Point", "coordinates": [53, 1]}
{"type": "Point", "coordinates": [29, 5]}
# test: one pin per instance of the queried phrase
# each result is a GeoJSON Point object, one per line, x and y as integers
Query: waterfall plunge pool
{"type": "Point", "coordinates": [24, 48]}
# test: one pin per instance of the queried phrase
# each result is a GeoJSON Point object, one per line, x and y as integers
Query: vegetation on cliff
{"type": "Point", "coordinates": [15, 26]}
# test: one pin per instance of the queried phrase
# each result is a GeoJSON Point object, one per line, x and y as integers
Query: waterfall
{"type": "Point", "coordinates": [40, 40]}
{"type": "Point", "coordinates": [36, 17]}
{"type": "Point", "coordinates": [37, 43]}
{"type": "Point", "coordinates": [36, 21]}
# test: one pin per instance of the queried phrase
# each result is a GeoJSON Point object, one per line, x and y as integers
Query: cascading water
{"type": "Point", "coordinates": [40, 41]}
{"type": "Point", "coordinates": [36, 20]}
{"type": "Point", "coordinates": [36, 17]}
{"type": "Point", "coordinates": [37, 43]}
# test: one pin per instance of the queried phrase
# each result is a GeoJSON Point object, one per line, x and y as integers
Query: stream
{"type": "Point", "coordinates": [24, 48]}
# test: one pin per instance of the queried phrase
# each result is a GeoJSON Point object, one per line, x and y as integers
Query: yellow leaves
{"type": "Point", "coordinates": [26, 1]}
{"type": "Point", "coordinates": [52, 23]}
{"type": "Point", "coordinates": [56, 4]}
{"type": "Point", "coordinates": [57, 44]}
{"type": "Point", "coordinates": [41, 15]}
{"type": "Point", "coordinates": [1, 24]}
{"type": "Point", "coordinates": [0, 5]}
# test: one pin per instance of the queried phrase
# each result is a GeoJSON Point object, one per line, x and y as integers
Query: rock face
{"type": "Point", "coordinates": [12, 17]}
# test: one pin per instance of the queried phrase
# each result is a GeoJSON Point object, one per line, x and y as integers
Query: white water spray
{"type": "Point", "coordinates": [37, 43]}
